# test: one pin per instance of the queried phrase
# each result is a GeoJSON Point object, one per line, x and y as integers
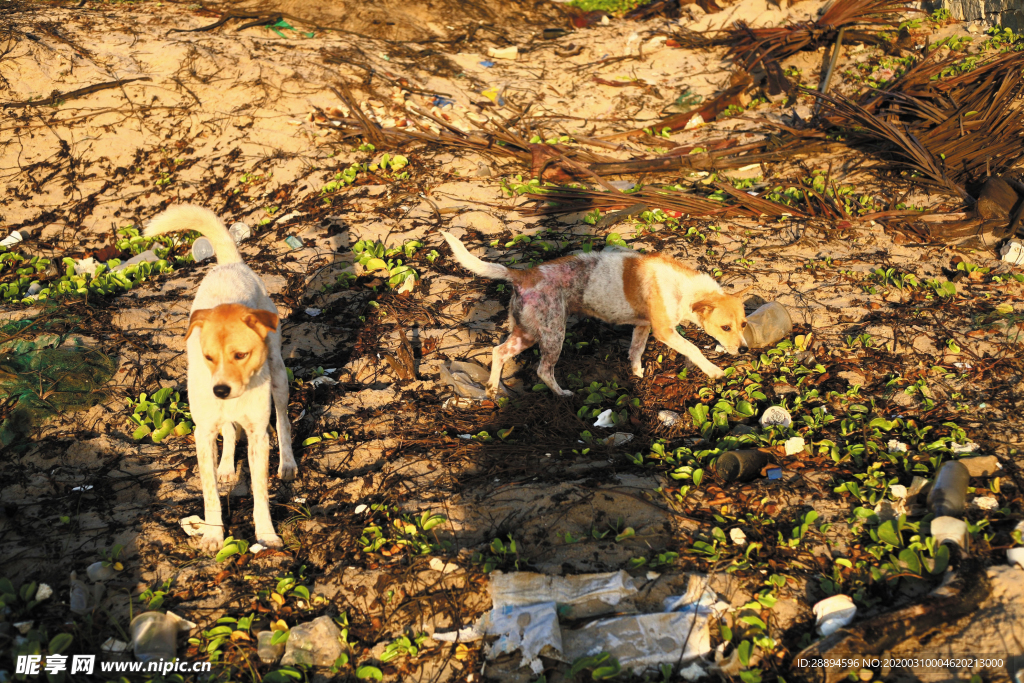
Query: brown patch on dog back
{"type": "Point", "coordinates": [632, 285]}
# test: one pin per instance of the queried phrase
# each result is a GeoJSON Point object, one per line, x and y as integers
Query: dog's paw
{"type": "Point", "coordinates": [714, 372]}
{"type": "Point", "coordinates": [286, 471]}
{"type": "Point", "coordinates": [564, 393]}
{"type": "Point", "coordinates": [638, 371]}
{"type": "Point", "coordinates": [270, 540]}
{"type": "Point", "coordinates": [227, 478]}
{"type": "Point", "coordinates": [212, 542]}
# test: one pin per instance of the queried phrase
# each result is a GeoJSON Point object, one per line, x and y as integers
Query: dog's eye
{"type": "Point", "coordinates": [241, 355]}
{"type": "Point", "coordinates": [209, 358]}
{"type": "Point", "coordinates": [743, 324]}
{"type": "Point", "coordinates": [726, 327]}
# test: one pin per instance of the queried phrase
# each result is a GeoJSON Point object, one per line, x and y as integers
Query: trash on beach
{"type": "Point", "coordinates": [795, 445]}
{"type": "Point", "coordinates": [503, 52]}
{"type": "Point", "coordinates": [949, 530]}
{"type": "Point", "coordinates": [193, 525]}
{"type": "Point", "coordinates": [776, 416]}
{"type": "Point", "coordinates": [147, 256]}
{"type": "Point", "coordinates": [642, 640]}
{"type": "Point", "coordinates": [1013, 252]}
{"type": "Point", "coordinates": [773, 473]}
{"type": "Point", "coordinates": [154, 636]}
{"type": "Point", "coordinates": [738, 537]}
{"type": "Point", "coordinates": [985, 503]}
{"type": "Point", "coordinates": [833, 613]}
{"type": "Point", "coordinates": [469, 380]}
{"type": "Point", "coordinates": [100, 571]}
{"type": "Point", "coordinates": [294, 242]}
{"type": "Point", "coordinates": [531, 629]}
{"type": "Point", "coordinates": [949, 492]}
{"type": "Point", "coordinates": [767, 326]}
{"type": "Point", "coordinates": [14, 238]}
{"type": "Point", "coordinates": [315, 643]}
{"type": "Point", "coordinates": [742, 465]}
{"type": "Point", "coordinates": [268, 651]}
{"type": "Point", "coordinates": [240, 232]}
{"type": "Point", "coordinates": [578, 596]}
{"type": "Point", "coordinates": [669, 418]}
{"type": "Point", "coordinates": [617, 439]}
{"type": "Point", "coordinates": [605, 419]}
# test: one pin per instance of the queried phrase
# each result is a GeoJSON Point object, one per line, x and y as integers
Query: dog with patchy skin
{"type": "Point", "coordinates": [653, 292]}
{"type": "Point", "coordinates": [234, 369]}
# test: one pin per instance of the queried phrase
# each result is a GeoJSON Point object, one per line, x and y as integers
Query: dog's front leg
{"type": "Point", "coordinates": [516, 343]}
{"type": "Point", "coordinates": [226, 477]}
{"type": "Point", "coordinates": [206, 452]}
{"type": "Point", "coordinates": [668, 336]}
{"type": "Point", "coordinates": [259, 470]}
{"type": "Point", "coordinates": [636, 349]}
{"type": "Point", "coordinates": [279, 388]}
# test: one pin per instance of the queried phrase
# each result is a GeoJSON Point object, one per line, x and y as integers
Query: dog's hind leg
{"type": "Point", "coordinates": [259, 471]}
{"type": "Point", "coordinates": [550, 349]}
{"type": "Point", "coordinates": [279, 388]}
{"type": "Point", "coordinates": [206, 450]}
{"type": "Point", "coordinates": [636, 349]}
{"type": "Point", "coordinates": [226, 475]}
{"type": "Point", "coordinates": [516, 343]}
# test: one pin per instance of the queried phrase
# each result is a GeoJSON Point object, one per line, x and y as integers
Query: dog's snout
{"type": "Point", "coordinates": [222, 391]}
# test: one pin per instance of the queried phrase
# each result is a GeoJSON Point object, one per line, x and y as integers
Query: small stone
{"type": "Point", "coordinates": [313, 644]}
{"type": "Point", "coordinates": [982, 465]}
{"type": "Point", "coordinates": [439, 565]}
{"type": "Point", "coordinates": [669, 418]}
{"type": "Point", "coordinates": [43, 592]}
{"type": "Point", "coordinates": [898, 491]}
{"type": "Point", "coordinates": [834, 613]}
{"type": "Point", "coordinates": [193, 525]}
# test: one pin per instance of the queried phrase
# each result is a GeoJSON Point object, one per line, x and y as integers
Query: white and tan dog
{"type": "Point", "coordinates": [651, 291]}
{"type": "Point", "coordinates": [234, 368]}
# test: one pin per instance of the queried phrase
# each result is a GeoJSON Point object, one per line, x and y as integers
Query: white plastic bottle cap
{"type": "Point", "coordinates": [240, 231]}
{"type": "Point", "coordinates": [202, 249]}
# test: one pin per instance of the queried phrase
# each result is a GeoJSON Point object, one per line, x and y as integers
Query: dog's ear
{"type": "Point", "coordinates": [743, 291]}
{"type": "Point", "coordinates": [260, 321]}
{"type": "Point", "coordinates": [703, 307]}
{"type": "Point", "coordinates": [198, 318]}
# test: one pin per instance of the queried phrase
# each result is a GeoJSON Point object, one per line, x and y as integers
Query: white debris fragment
{"type": "Point", "coordinates": [694, 672]}
{"type": "Point", "coordinates": [795, 445]}
{"type": "Point", "coordinates": [618, 439]}
{"type": "Point", "coordinates": [24, 626]}
{"type": "Point", "coordinates": [605, 419]}
{"type": "Point", "coordinates": [834, 613]}
{"type": "Point", "coordinates": [503, 52]}
{"type": "Point", "coordinates": [256, 548]}
{"type": "Point", "coordinates": [43, 592]}
{"type": "Point", "coordinates": [86, 266]}
{"type": "Point", "coordinates": [322, 379]}
{"type": "Point", "coordinates": [899, 491]}
{"type": "Point", "coordinates": [361, 508]}
{"type": "Point", "coordinates": [1015, 556]}
{"type": "Point", "coordinates": [949, 529]}
{"type": "Point", "coordinates": [313, 312]}
{"type": "Point", "coordinates": [669, 418]}
{"type": "Point", "coordinates": [11, 239]}
{"type": "Point", "coordinates": [193, 525]}
{"type": "Point", "coordinates": [439, 565]}
{"type": "Point", "coordinates": [776, 416]}
{"type": "Point", "coordinates": [1012, 252]}
{"type": "Point", "coordinates": [738, 537]}
{"type": "Point", "coordinates": [896, 446]}
{"type": "Point", "coordinates": [985, 503]}
{"type": "Point", "coordinates": [968, 447]}
{"type": "Point", "coordinates": [113, 645]}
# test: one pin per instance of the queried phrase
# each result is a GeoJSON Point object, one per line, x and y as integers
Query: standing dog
{"type": "Point", "coordinates": [234, 368]}
{"type": "Point", "coordinates": [650, 291]}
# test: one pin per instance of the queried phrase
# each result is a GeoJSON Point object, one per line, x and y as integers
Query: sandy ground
{"type": "Point", "coordinates": [223, 118]}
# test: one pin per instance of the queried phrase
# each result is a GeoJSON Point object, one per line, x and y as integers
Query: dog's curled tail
{"type": "Point", "coordinates": [184, 217]}
{"type": "Point", "coordinates": [494, 271]}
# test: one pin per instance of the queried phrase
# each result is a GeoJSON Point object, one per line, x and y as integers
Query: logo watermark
{"type": "Point", "coordinates": [34, 665]}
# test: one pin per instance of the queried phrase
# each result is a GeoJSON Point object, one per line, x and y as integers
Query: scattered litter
{"type": "Point", "coordinates": [322, 379]}
{"type": "Point", "coordinates": [87, 487]}
{"type": "Point", "coordinates": [605, 419]}
{"type": "Point", "coordinates": [960, 448]}
{"type": "Point", "coordinates": [578, 596]}
{"type": "Point", "coordinates": [87, 266]}
{"type": "Point", "coordinates": [487, 64]}
{"type": "Point", "coordinates": [949, 492]}
{"type": "Point", "coordinates": [985, 503]}
{"type": "Point", "coordinates": [268, 652]}
{"type": "Point", "coordinates": [11, 239]}
{"type": "Point", "coordinates": [738, 537]}
{"type": "Point", "coordinates": [44, 592]}
{"type": "Point", "coordinates": [467, 379]}
{"type": "Point", "coordinates": [696, 121]}
{"type": "Point", "coordinates": [642, 640]}
{"type": "Point", "coordinates": [313, 312]}
{"type": "Point", "coordinates": [1015, 556]}
{"type": "Point", "coordinates": [147, 256]}
{"type": "Point", "coordinates": [773, 473]}
{"type": "Point", "coordinates": [114, 646]}
{"type": "Point", "coordinates": [503, 52]}
{"type": "Point", "coordinates": [833, 613]}
{"type": "Point", "coordinates": [532, 629]}
{"type": "Point", "coordinates": [741, 465]}
{"type": "Point", "coordinates": [154, 636]}
{"type": "Point", "coordinates": [694, 672]}
{"type": "Point", "coordinates": [917, 485]}
{"type": "Point", "coordinates": [439, 565]}
{"type": "Point", "coordinates": [776, 416]}
{"type": "Point", "coordinates": [1012, 252]}
{"type": "Point", "coordinates": [79, 595]}
{"type": "Point", "coordinates": [618, 439]}
{"type": "Point", "coordinates": [896, 446]}
{"type": "Point", "coordinates": [887, 509]}
{"type": "Point", "coordinates": [361, 508]}
{"type": "Point", "coordinates": [193, 525]}
{"type": "Point", "coordinates": [465, 436]}
{"type": "Point", "coordinates": [256, 548]}
{"type": "Point", "coordinates": [622, 185]}
{"type": "Point", "coordinates": [315, 643]}
{"type": "Point", "coordinates": [34, 289]}
{"type": "Point", "coordinates": [949, 530]}
{"type": "Point", "coordinates": [442, 102]}
{"type": "Point", "coordinates": [202, 249]}
{"type": "Point", "coordinates": [767, 326]}
{"type": "Point", "coordinates": [288, 216]}
{"type": "Point", "coordinates": [795, 445]}
{"type": "Point", "coordinates": [899, 491]}
{"type": "Point", "coordinates": [981, 465]}
{"type": "Point", "coordinates": [294, 242]}
{"type": "Point", "coordinates": [24, 626]}
{"type": "Point", "coordinates": [240, 232]}
{"type": "Point", "coordinates": [495, 94]}
{"type": "Point", "coordinates": [100, 571]}
{"type": "Point", "coordinates": [669, 418]}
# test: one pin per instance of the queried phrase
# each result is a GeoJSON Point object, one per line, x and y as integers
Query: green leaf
{"type": "Point", "coordinates": [60, 643]}
{"type": "Point", "coordinates": [910, 559]}
{"type": "Point", "coordinates": [141, 432]}
{"type": "Point", "coordinates": [889, 533]}
{"type": "Point", "coordinates": [227, 552]}
{"type": "Point", "coordinates": [941, 559]}
{"type": "Point", "coordinates": [283, 675]}
{"type": "Point", "coordinates": [743, 651]}
{"type": "Point", "coordinates": [369, 673]}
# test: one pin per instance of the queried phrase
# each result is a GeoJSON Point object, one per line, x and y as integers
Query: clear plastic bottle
{"type": "Point", "coordinates": [949, 492]}
{"type": "Point", "coordinates": [154, 637]}
{"type": "Point", "coordinates": [202, 249]}
{"type": "Point", "coordinates": [767, 326]}
{"type": "Point", "coordinates": [740, 465]}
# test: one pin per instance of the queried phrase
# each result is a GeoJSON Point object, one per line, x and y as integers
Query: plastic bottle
{"type": "Point", "coordinates": [154, 637]}
{"type": "Point", "coordinates": [202, 249]}
{"type": "Point", "coordinates": [148, 255]}
{"type": "Point", "coordinates": [740, 465]}
{"type": "Point", "coordinates": [767, 325]}
{"type": "Point", "coordinates": [949, 492]}
{"type": "Point", "coordinates": [240, 231]}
